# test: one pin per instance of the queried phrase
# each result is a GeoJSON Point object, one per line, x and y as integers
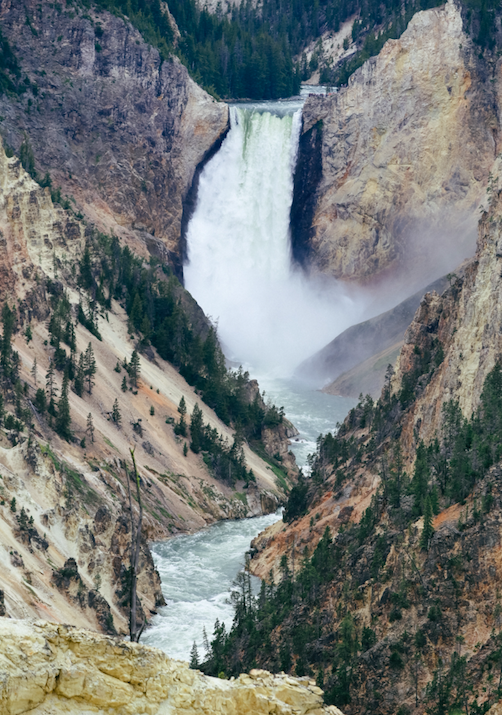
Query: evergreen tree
{"type": "Point", "coordinates": [428, 530]}
{"type": "Point", "coordinates": [2, 408]}
{"type": "Point", "coordinates": [185, 449]}
{"type": "Point", "coordinates": [51, 389]}
{"type": "Point", "coordinates": [90, 427]}
{"type": "Point", "coordinates": [134, 368]}
{"type": "Point", "coordinates": [196, 429]}
{"type": "Point", "coordinates": [40, 400]}
{"type": "Point", "coordinates": [63, 417]}
{"type": "Point", "coordinates": [79, 382]}
{"type": "Point", "coordinates": [123, 386]}
{"type": "Point", "coordinates": [89, 367]}
{"type": "Point", "coordinates": [116, 416]}
{"type": "Point", "coordinates": [180, 427]}
{"type": "Point", "coordinates": [194, 657]}
{"type": "Point", "coordinates": [8, 321]}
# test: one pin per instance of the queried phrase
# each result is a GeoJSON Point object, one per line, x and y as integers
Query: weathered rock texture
{"type": "Point", "coordinates": [72, 565]}
{"type": "Point", "coordinates": [460, 571]}
{"type": "Point", "coordinates": [46, 668]}
{"type": "Point", "coordinates": [119, 130]}
{"type": "Point", "coordinates": [406, 151]}
{"type": "Point", "coordinates": [465, 319]}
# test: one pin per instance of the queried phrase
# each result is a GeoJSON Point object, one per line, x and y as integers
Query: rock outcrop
{"type": "Point", "coordinates": [45, 668]}
{"type": "Point", "coordinates": [121, 131]}
{"type": "Point", "coordinates": [406, 150]}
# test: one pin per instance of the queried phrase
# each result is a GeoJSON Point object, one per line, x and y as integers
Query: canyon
{"type": "Point", "coordinates": [392, 172]}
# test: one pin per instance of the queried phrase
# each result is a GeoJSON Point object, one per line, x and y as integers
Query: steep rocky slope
{"type": "Point", "coordinates": [58, 669]}
{"type": "Point", "coordinates": [392, 167]}
{"type": "Point", "coordinates": [120, 131]}
{"type": "Point", "coordinates": [396, 608]}
{"type": "Point", "coordinates": [67, 557]}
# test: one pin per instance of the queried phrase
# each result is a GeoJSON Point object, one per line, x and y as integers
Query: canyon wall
{"type": "Point", "coordinates": [393, 166]}
{"type": "Point", "coordinates": [71, 563]}
{"type": "Point", "coordinates": [46, 668]}
{"type": "Point", "coordinates": [121, 131]}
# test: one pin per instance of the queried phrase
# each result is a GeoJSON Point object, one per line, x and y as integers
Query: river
{"type": "Point", "coordinates": [270, 316]}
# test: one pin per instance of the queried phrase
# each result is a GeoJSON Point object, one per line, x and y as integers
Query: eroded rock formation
{"type": "Point", "coordinates": [406, 150]}
{"type": "Point", "coordinates": [47, 668]}
{"type": "Point", "coordinates": [118, 129]}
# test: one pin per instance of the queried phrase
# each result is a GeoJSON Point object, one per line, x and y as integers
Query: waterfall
{"type": "Point", "coordinates": [270, 315]}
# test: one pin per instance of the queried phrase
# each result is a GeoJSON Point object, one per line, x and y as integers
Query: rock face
{"type": "Point", "coordinates": [364, 341]}
{"type": "Point", "coordinates": [76, 555]}
{"type": "Point", "coordinates": [45, 668]}
{"type": "Point", "coordinates": [442, 590]}
{"type": "Point", "coordinates": [465, 319]}
{"type": "Point", "coordinates": [406, 151]}
{"type": "Point", "coordinates": [116, 128]}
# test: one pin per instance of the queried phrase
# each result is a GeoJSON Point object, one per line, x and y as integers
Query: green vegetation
{"type": "Point", "coordinates": [245, 55]}
{"type": "Point", "coordinates": [285, 626]}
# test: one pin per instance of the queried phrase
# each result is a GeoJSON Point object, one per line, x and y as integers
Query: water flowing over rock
{"type": "Point", "coordinates": [53, 669]}
{"type": "Point", "coordinates": [406, 149]}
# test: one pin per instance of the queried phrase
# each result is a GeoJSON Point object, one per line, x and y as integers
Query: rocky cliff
{"type": "Point", "coordinates": [405, 580]}
{"type": "Point", "coordinates": [393, 166]}
{"type": "Point", "coordinates": [53, 669]}
{"type": "Point", "coordinates": [120, 131]}
{"type": "Point", "coordinates": [67, 557]}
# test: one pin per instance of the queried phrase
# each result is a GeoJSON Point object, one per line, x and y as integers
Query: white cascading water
{"type": "Point", "coordinates": [270, 316]}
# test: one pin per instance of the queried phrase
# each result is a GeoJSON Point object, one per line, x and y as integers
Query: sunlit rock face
{"type": "Point", "coordinates": [53, 669]}
{"type": "Point", "coordinates": [394, 165]}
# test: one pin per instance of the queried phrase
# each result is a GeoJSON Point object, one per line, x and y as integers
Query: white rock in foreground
{"type": "Point", "coordinates": [48, 669]}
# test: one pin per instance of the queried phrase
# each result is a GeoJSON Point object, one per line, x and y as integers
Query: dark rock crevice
{"type": "Point", "coordinates": [308, 175]}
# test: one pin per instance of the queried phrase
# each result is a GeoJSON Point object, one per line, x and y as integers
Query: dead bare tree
{"type": "Point", "coordinates": [134, 633]}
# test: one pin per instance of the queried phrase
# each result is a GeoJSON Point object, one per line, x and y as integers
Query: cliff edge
{"type": "Point", "coordinates": [47, 668]}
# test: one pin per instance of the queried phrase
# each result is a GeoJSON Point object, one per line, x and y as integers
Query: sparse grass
{"type": "Point", "coordinates": [242, 497]}
{"type": "Point", "coordinates": [110, 444]}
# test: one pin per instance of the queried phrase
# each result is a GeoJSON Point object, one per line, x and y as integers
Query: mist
{"type": "Point", "coordinates": [271, 315]}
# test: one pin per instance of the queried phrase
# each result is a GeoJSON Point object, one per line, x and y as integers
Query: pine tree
{"type": "Point", "coordinates": [78, 383]}
{"type": "Point", "coordinates": [116, 416]}
{"type": "Point", "coordinates": [428, 530]}
{"type": "Point", "coordinates": [63, 417]}
{"type": "Point", "coordinates": [181, 427]}
{"type": "Point", "coordinates": [194, 657]}
{"type": "Point", "coordinates": [134, 368]}
{"type": "Point", "coordinates": [196, 429]}
{"type": "Point", "coordinates": [185, 449]}
{"type": "Point", "coordinates": [123, 386]}
{"type": "Point", "coordinates": [8, 320]}
{"type": "Point", "coordinates": [90, 427]}
{"type": "Point", "coordinates": [51, 390]}
{"type": "Point", "coordinates": [89, 367]}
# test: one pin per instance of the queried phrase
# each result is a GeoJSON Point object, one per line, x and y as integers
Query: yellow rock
{"type": "Point", "coordinates": [49, 669]}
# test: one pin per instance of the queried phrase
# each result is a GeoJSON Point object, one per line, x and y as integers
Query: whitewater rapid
{"type": "Point", "coordinates": [197, 574]}
{"type": "Point", "coordinates": [270, 314]}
